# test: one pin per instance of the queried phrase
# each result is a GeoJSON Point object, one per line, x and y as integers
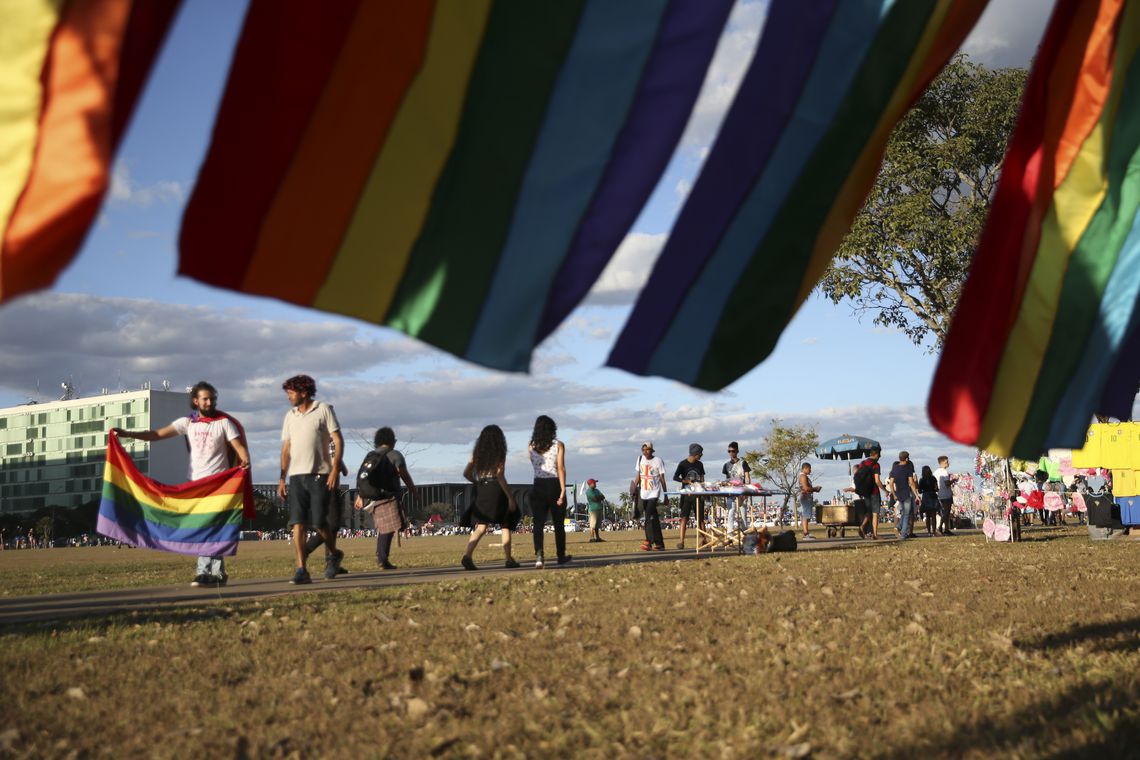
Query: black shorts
{"type": "Point", "coordinates": [874, 502]}
{"type": "Point", "coordinates": [689, 506]}
{"type": "Point", "coordinates": [309, 500]}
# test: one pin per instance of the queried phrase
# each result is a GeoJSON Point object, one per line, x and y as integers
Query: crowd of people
{"type": "Point", "coordinates": [312, 462]}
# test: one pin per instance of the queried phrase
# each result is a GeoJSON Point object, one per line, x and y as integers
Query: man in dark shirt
{"type": "Point", "coordinates": [690, 470]}
{"type": "Point", "coordinates": [904, 487]}
{"type": "Point", "coordinates": [871, 493]}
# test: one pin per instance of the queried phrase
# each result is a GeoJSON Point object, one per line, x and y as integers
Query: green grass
{"type": "Point", "coordinates": [938, 648]}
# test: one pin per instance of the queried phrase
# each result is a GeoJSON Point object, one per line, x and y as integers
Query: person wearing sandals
{"type": "Point", "coordinates": [548, 458]}
{"type": "Point", "coordinates": [494, 502]}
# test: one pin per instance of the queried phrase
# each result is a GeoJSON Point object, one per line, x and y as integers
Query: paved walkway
{"type": "Point", "coordinates": [47, 607]}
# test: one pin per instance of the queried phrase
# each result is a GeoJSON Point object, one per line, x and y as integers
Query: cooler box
{"type": "Point", "coordinates": [1129, 509]}
{"type": "Point", "coordinates": [1103, 512]}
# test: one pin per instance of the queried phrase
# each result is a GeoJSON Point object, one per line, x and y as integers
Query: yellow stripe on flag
{"type": "Point", "coordinates": [25, 38]}
{"type": "Point", "coordinates": [398, 194]}
{"type": "Point", "coordinates": [228, 502]}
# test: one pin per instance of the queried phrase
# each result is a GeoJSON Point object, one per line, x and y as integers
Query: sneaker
{"type": "Point", "coordinates": [220, 580]}
{"type": "Point", "coordinates": [539, 563]}
{"type": "Point", "coordinates": [807, 537]}
{"type": "Point", "coordinates": [467, 562]}
{"type": "Point", "coordinates": [681, 545]}
{"type": "Point", "coordinates": [203, 581]}
{"type": "Point", "coordinates": [301, 577]}
{"type": "Point", "coordinates": [330, 566]}
{"type": "Point", "coordinates": [600, 540]}
{"type": "Point", "coordinates": [511, 563]}
{"type": "Point", "coordinates": [658, 548]}
{"type": "Point", "coordinates": [948, 533]}
{"type": "Point", "coordinates": [564, 559]}
{"type": "Point", "coordinates": [387, 566]}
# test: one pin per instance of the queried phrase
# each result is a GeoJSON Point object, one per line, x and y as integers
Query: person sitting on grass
{"type": "Point", "coordinates": [494, 501]}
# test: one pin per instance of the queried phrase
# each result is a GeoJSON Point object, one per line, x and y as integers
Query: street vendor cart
{"type": "Point", "coordinates": [838, 517]}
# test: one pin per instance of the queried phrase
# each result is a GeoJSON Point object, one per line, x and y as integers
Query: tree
{"type": "Point", "coordinates": [44, 529]}
{"type": "Point", "coordinates": [907, 254]}
{"type": "Point", "coordinates": [785, 449]}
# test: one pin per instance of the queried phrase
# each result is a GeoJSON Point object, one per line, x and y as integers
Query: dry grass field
{"type": "Point", "coordinates": [936, 648]}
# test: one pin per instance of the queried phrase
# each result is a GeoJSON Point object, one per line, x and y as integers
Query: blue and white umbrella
{"type": "Point", "coordinates": [846, 447]}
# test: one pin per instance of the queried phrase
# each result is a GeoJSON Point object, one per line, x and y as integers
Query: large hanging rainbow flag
{"type": "Point", "coordinates": [70, 73]}
{"type": "Point", "coordinates": [200, 518]}
{"type": "Point", "coordinates": [461, 171]}
{"type": "Point", "coordinates": [1047, 330]}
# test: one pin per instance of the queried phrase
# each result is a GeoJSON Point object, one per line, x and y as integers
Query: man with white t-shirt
{"type": "Point", "coordinates": [945, 492]}
{"type": "Point", "coordinates": [651, 482]}
{"type": "Point", "coordinates": [213, 436]}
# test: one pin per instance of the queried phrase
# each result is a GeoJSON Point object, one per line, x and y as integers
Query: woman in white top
{"type": "Point", "coordinates": [548, 497]}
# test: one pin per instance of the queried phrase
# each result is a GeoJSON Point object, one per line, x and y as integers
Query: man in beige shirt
{"type": "Point", "coordinates": [310, 474]}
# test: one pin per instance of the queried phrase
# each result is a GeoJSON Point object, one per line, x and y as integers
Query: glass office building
{"type": "Point", "coordinates": [52, 453]}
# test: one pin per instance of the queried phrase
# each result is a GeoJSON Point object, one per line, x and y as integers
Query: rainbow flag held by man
{"type": "Point", "coordinates": [199, 518]}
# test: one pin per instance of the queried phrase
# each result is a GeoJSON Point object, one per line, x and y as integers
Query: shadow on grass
{"type": "Point", "coordinates": [218, 610]}
{"type": "Point", "coordinates": [1087, 720]}
{"type": "Point", "coordinates": [1115, 636]}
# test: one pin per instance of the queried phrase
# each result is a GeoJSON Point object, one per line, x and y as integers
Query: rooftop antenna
{"type": "Point", "coordinates": [68, 391]}
{"type": "Point", "coordinates": [166, 385]}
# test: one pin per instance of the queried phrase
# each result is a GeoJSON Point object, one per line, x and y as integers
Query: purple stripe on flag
{"type": "Point", "coordinates": [1119, 392]}
{"type": "Point", "coordinates": [660, 110]}
{"type": "Point", "coordinates": [790, 41]}
{"type": "Point", "coordinates": [111, 529]}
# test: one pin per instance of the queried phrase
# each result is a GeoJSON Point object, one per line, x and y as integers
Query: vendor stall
{"type": "Point", "coordinates": [725, 512]}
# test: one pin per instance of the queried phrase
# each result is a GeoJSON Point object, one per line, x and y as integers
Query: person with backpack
{"type": "Point", "coordinates": [378, 491]}
{"type": "Point", "coordinates": [868, 486]}
{"type": "Point", "coordinates": [494, 501]}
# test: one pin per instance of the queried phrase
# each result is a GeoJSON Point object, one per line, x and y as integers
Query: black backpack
{"type": "Point", "coordinates": [377, 477]}
{"type": "Point", "coordinates": [864, 479]}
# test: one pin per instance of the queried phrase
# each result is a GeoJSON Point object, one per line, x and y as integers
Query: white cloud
{"type": "Point", "coordinates": [811, 341]}
{"type": "Point", "coordinates": [125, 190]}
{"type": "Point", "coordinates": [682, 189]}
{"type": "Point", "coordinates": [1008, 33]}
{"type": "Point", "coordinates": [625, 275]}
{"type": "Point", "coordinates": [729, 62]}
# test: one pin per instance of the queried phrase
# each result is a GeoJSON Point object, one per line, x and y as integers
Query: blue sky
{"type": "Point", "coordinates": [119, 316]}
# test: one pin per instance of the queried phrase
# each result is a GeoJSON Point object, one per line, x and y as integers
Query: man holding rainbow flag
{"type": "Point", "coordinates": [200, 517]}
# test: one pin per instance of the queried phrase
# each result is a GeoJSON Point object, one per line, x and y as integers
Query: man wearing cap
{"type": "Point", "coordinates": [691, 470]}
{"type": "Point", "coordinates": [595, 502]}
{"type": "Point", "coordinates": [651, 482]}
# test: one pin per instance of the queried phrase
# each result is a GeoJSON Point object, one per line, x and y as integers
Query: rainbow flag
{"type": "Point", "coordinates": [200, 518]}
{"type": "Point", "coordinates": [70, 73]}
{"type": "Point", "coordinates": [1047, 331]}
{"type": "Point", "coordinates": [461, 170]}
{"type": "Point", "coordinates": [790, 168]}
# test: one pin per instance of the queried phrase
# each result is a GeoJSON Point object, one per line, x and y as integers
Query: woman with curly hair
{"type": "Point", "coordinates": [548, 497]}
{"type": "Point", "coordinates": [494, 502]}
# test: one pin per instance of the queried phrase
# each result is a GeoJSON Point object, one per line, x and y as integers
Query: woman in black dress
{"type": "Point", "coordinates": [494, 502]}
{"type": "Point", "coordinates": [928, 497]}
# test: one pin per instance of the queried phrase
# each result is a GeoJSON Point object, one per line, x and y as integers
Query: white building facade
{"type": "Point", "coordinates": [52, 453]}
